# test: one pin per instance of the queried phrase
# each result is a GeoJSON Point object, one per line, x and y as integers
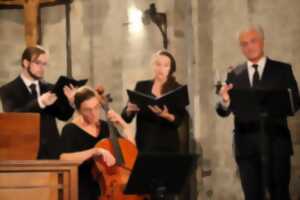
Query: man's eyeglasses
{"type": "Point", "coordinates": [40, 63]}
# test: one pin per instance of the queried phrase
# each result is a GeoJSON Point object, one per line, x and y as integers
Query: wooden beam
{"type": "Point", "coordinates": [48, 1]}
{"type": "Point", "coordinates": [31, 15]}
{"type": "Point", "coordinates": [31, 10]}
{"type": "Point", "coordinates": [22, 2]}
{"type": "Point", "coordinates": [11, 2]}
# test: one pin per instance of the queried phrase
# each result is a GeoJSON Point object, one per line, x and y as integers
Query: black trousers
{"type": "Point", "coordinates": [278, 177]}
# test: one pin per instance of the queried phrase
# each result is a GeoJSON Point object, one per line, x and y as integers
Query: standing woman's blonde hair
{"type": "Point", "coordinates": [171, 82]}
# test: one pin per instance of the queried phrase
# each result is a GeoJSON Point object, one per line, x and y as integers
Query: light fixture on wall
{"type": "Point", "coordinates": [160, 19]}
{"type": "Point", "coordinates": [135, 19]}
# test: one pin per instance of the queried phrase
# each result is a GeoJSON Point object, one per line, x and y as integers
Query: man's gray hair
{"type": "Point", "coordinates": [253, 27]}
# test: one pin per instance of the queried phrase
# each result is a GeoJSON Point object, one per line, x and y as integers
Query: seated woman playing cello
{"type": "Point", "coordinates": [81, 135]}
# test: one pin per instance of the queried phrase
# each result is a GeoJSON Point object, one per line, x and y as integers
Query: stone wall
{"type": "Point", "coordinates": [202, 33]}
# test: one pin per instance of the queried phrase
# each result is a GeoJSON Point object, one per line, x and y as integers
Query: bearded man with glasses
{"type": "Point", "coordinates": [30, 93]}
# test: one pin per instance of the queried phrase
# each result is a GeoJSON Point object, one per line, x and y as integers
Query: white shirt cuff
{"type": "Point", "coordinates": [224, 104]}
{"type": "Point", "coordinates": [42, 106]}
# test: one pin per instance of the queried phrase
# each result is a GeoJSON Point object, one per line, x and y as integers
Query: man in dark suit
{"type": "Point", "coordinates": [29, 93]}
{"type": "Point", "coordinates": [263, 157]}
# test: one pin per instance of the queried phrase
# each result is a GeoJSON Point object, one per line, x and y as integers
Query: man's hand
{"type": "Point", "coordinates": [223, 93]}
{"type": "Point", "coordinates": [48, 98]}
{"type": "Point", "coordinates": [69, 92]}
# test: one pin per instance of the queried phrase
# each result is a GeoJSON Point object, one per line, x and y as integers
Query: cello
{"type": "Point", "coordinates": [112, 180]}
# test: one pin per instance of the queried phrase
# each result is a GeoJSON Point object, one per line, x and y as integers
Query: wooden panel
{"type": "Point", "coordinates": [33, 193]}
{"type": "Point", "coordinates": [19, 131]}
{"type": "Point", "coordinates": [34, 185]}
{"type": "Point", "coordinates": [38, 179]}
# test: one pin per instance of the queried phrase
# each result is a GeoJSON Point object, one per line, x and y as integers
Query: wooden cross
{"type": "Point", "coordinates": [31, 10]}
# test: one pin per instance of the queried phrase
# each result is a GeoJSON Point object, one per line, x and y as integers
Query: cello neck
{"type": "Point", "coordinates": [113, 136]}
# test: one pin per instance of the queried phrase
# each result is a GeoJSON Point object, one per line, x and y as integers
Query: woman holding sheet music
{"type": "Point", "coordinates": [157, 126]}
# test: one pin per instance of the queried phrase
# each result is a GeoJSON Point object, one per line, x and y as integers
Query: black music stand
{"type": "Point", "coordinates": [160, 174]}
{"type": "Point", "coordinates": [276, 102]}
{"type": "Point", "coordinates": [268, 105]}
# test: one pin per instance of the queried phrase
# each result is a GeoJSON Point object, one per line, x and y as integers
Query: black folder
{"type": "Point", "coordinates": [177, 98]}
{"type": "Point", "coordinates": [62, 81]}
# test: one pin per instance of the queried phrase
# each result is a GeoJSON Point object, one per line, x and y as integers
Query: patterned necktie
{"type": "Point", "coordinates": [33, 90]}
{"type": "Point", "coordinates": [255, 79]}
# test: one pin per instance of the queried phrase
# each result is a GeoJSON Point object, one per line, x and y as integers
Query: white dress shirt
{"type": "Point", "coordinates": [261, 66]}
{"type": "Point", "coordinates": [38, 90]}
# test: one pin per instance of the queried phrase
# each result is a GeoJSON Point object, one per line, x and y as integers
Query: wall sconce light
{"type": "Point", "coordinates": [160, 19]}
{"type": "Point", "coordinates": [135, 20]}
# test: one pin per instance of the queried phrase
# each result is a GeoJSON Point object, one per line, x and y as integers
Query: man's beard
{"type": "Point", "coordinates": [35, 77]}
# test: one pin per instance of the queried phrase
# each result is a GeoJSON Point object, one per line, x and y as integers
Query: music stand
{"type": "Point", "coordinates": [276, 102]}
{"type": "Point", "coordinates": [160, 174]}
{"type": "Point", "coordinates": [267, 104]}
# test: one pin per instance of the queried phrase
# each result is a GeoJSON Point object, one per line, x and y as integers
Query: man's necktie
{"type": "Point", "coordinates": [33, 90]}
{"type": "Point", "coordinates": [255, 79]}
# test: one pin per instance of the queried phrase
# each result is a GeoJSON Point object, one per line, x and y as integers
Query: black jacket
{"type": "Point", "coordinates": [276, 76]}
{"type": "Point", "coordinates": [153, 133]}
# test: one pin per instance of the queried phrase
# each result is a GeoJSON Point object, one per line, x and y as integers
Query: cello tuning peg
{"type": "Point", "coordinates": [109, 98]}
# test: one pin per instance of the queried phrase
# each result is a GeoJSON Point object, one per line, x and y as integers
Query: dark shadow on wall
{"type": "Point", "coordinates": [294, 124]}
{"type": "Point", "coordinates": [11, 15]}
{"type": "Point", "coordinates": [48, 16]}
{"type": "Point", "coordinates": [189, 145]}
{"type": "Point", "coordinates": [94, 15]}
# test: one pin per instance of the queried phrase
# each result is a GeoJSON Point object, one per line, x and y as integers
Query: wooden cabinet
{"type": "Point", "coordinates": [38, 179]}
